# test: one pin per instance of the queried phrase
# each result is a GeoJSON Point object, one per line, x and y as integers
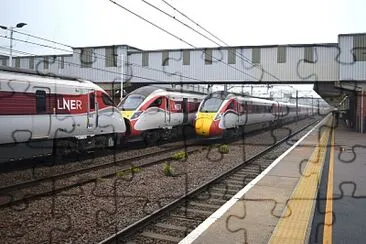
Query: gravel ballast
{"type": "Point", "coordinates": [94, 211]}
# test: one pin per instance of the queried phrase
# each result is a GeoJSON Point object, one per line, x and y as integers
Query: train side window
{"type": "Point", "coordinates": [107, 100]}
{"type": "Point", "coordinates": [40, 101]}
{"type": "Point", "coordinates": [241, 108]}
{"type": "Point", "coordinates": [273, 109]}
{"type": "Point", "coordinates": [92, 101]}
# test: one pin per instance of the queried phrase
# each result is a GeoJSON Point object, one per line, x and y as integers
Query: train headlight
{"type": "Point", "coordinates": [136, 114]}
{"type": "Point", "coordinates": [218, 116]}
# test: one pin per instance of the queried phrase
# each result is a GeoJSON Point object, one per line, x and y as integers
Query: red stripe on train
{"type": "Point", "coordinates": [22, 103]}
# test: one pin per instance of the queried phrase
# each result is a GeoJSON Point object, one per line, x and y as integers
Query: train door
{"type": "Point", "coordinates": [92, 114]}
{"type": "Point", "coordinates": [167, 111]}
{"type": "Point", "coordinates": [237, 109]}
{"type": "Point", "coordinates": [275, 110]}
{"type": "Point", "coordinates": [244, 114]}
{"type": "Point", "coordinates": [185, 110]}
{"type": "Point", "coordinates": [41, 120]}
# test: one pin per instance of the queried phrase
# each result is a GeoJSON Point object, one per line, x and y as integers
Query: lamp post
{"type": "Point", "coordinates": [11, 29]}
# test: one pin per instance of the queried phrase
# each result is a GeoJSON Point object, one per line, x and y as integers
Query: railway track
{"type": "Point", "coordinates": [25, 191]}
{"type": "Point", "coordinates": [174, 221]}
{"type": "Point", "coordinates": [95, 154]}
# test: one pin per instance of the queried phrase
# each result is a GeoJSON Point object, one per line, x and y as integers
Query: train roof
{"type": "Point", "coordinates": [33, 76]}
{"type": "Point", "coordinates": [147, 90]}
{"type": "Point", "coordinates": [227, 95]}
{"type": "Point", "coordinates": [33, 72]}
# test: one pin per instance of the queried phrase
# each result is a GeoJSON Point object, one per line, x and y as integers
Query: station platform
{"type": "Point", "coordinates": [313, 193]}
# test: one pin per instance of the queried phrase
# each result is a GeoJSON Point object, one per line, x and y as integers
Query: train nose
{"type": "Point", "coordinates": [127, 114]}
{"type": "Point", "coordinates": [203, 126]}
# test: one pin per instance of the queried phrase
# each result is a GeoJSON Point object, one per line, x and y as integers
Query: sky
{"type": "Point", "coordinates": [80, 23]}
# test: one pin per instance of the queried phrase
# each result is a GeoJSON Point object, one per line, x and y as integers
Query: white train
{"type": "Point", "coordinates": [222, 113]}
{"type": "Point", "coordinates": [153, 113]}
{"type": "Point", "coordinates": [41, 114]}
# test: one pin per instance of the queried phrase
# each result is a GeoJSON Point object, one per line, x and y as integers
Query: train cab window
{"type": "Point", "coordinates": [168, 104]}
{"type": "Point", "coordinates": [92, 101]}
{"type": "Point", "coordinates": [107, 100]}
{"type": "Point", "coordinates": [211, 105]}
{"type": "Point", "coordinates": [131, 102]}
{"type": "Point", "coordinates": [230, 106]}
{"type": "Point", "coordinates": [157, 102]}
{"type": "Point", "coordinates": [40, 101]}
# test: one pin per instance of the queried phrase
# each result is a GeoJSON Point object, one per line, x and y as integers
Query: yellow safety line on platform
{"type": "Point", "coordinates": [294, 223]}
{"type": "Point", "coordinates": [328, 220]}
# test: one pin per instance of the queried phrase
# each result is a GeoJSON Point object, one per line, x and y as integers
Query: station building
{"type": "Point", "coordinates": [337, 70]}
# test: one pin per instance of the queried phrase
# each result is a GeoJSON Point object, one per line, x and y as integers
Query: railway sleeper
{"type": "Point", "coordinates": [182, 220]}
{"type": "Point", "coordinates": [184, 215]}
{"type": "Point", "coordinates": [189, 224]}
{"type": "Point", "coordinates": [248, 175]}
{"type": "Point", "coordinates": [173, 227]}
{"type": "Point", "coordinates": [224, 190]}
{"type": "Point", "coordinates": [244, 179]}
{"type": "Point", "coordinates": [241, 183]}
{"type": "Point", "coordinates": [190, 211]}
{"type": "Point", "coordinates": [230, 186]}
{"type": "Point", "coordinates": [169, 229]}
{"type": "Point", "coordinates": [165, 230]}
{"type": "Point", "coordinates": [220, 195]}
{"type": "Point", "coordinates": [235, 183]}
{"type": "Point", "coordinates": [213, 195]}
{"type": "Point", "coordinates": [245, 173]}
{"type": "Point", "coordinates": [215, 201]}
{"type": "Point", "coordinates": [160, 237]}
{"type": "Point", "coordinates": [205, 205]}
{"type": "Point", "coordinates": [250, 171]}
{"type": "Point", "coordinates": [142, 239]}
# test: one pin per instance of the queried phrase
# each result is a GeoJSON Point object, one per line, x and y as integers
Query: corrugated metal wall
{"type": "Point", "coordinates": [292, 68]}
{"type": "Point", "coordinates": [98, 72]}
{"type": "Point", "coordinates": [349, 68]}
{"type": "Point", "coordinates": [324, 68]}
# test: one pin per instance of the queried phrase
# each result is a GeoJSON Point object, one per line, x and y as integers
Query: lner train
{"type": "Point", "coordinates": [42, 114]}
{"type": "Point", "coordinates": [155, 113]}
{"type": "Point", "coordinates": [222, 113]}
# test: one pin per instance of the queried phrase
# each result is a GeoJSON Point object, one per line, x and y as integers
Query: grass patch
{"type": "Point", "coordinates": [168, 170]}
{"type": "Point", "coordinates": [180, 155]}
{"type": "Point", "coordinates": [224, 149]}
{"type": "Point", "coordinates": [132, 170]}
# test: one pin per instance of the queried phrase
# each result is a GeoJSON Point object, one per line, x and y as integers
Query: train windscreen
{"type": "Point", "coordinates": [211, 105]}
{"type": "Point", "coordinates": [131, 102]}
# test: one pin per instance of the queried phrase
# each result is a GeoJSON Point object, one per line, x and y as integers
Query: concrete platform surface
{"type": "Point", "coordinates": [284, 194]}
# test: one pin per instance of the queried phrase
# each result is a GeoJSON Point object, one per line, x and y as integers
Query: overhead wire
{"type": "Point", "coordinates": [175, 36]}
{"type": "Point", "coordinates": [78, 65]}
{"type": "Point", "coordinates": [243, 57]}
{"type": "Point", "coordinates": [194, 22]}
{"type": "Point", "coordinates": [144, 67]}
{"type": "Point", "coordinates": [171, 16]}
{"type": "Point", "coordinates": [104, 57]}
